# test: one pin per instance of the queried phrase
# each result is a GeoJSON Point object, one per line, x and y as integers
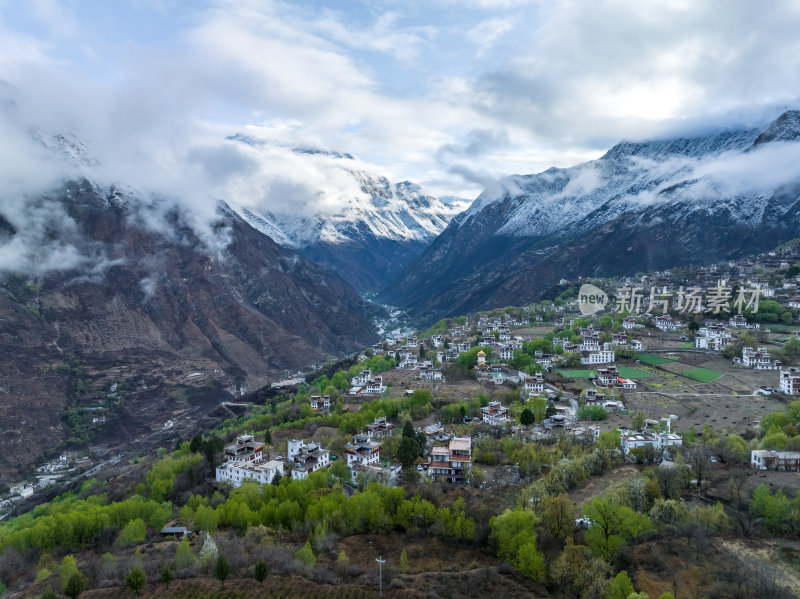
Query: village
{"type": "Point", "coordinates": [441, 437]}
{"type": "Point", "coordinates": [549, 372]}
{"type": "Point", "coordinates": [653, 373]}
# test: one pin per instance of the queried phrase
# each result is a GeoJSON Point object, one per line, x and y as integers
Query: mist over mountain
{"type": "Point", "coordinates": [368, 234]}
{"type": "Point", "coordinates": [105, 284]}
{"type": "Point", "coordinates": [641, 206]}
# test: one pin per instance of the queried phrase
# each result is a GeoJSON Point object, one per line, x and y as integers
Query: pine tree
{"type": "Point", "coordinates": [261, 571]}
{"type": "Point", "coordinates": [135, 580]}
{"type": "Point", "coordinates": [167, 576]}
{"type": "Point", "coordinates": [222, 570]}
{"type": "Point", "coordinates": [75, 585]}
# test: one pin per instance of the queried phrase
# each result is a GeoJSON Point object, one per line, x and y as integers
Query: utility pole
{"type": "Point", "coordinates": [380, 575]}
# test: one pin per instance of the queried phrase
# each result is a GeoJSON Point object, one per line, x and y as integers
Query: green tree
{"type": "Point", "coordinates": [222, 570]}
{"type": "Point", "coordinates": [67, 569]}
{"type": "Point", "coordinates": [526, 418]}
{"type": "Point", "coordinates": [621, 586]}
{"type": "Point", "coordinates": [184, 558]}
{"type": "Point", "coordinates": [75, 585]}
{"type": "Point", "coordinates": [609, 440]}
{"type": "Point", "coordinates": [205, 518]}
{"type": "Point", "coordinates": [404, 561]}
{"type": "Point", "coordinates": [135, 580]}
{"type": "Point", "coordinates": [167, 576]}
{"type": "Point", "coordinates": [48, 594]}
{"type": "Point", "coordinates": [637, 423]}
{"type": "Point", "coordinates": [342, 561]}
{"type": "Point", "coordinates": [261, 571]}
{"type": "Point", "coordinates": [306, 555]}
{"type": "Point", "coordinates": [211, 447]}
{"type": "Point", "coordinates": [408, 451]}
{"type": "Point", "coordinates": [514, 535]}
{"type": "Point", "coordinates": [558, 515]}
{"type": "Point", "coordinates": [592, 412]}
{"type": "Point", "coordinates": [408, 430]}
{"type": "Point", "coordinates": [529, 562]}
{"type": "Point", "coordinates": [340, 471]}
{"type": "Point", "coordinates": [539, 406]}
{"type": "Point", "coordinates": [135, 531]}
{"type": "Point", "coordinates": [611, 526]}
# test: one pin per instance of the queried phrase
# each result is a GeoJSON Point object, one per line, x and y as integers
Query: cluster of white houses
{"type": "Point", "coordinates": [244, 462]}
{"type": "Point", "coordinates": [244, 459]}
{"type": "Point", "coordinates": [367, 383]}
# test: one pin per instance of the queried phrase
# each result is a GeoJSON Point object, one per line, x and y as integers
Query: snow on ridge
{"type": "Point", "coordinates": [719, 169]}
{"type": "Point", "coordinates": [399, 212]}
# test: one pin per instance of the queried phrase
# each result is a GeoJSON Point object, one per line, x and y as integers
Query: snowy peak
{"type": "Point", "coordinates": [360, 224]}
{"type": "Point", "coordinates": [642, 206]}
{"type": "Point", "coordinates": [634, 176]}
{"type": "Point", "coordinates": [785, 128]}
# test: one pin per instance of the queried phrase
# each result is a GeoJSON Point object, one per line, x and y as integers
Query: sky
{"type": "Point", "coordinates": [448, 94]}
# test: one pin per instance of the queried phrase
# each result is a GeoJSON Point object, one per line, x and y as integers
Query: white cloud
{"type": "Point", "coordinates": [401, 93]}
{"type": "Point", "coordinates": [487, 32]}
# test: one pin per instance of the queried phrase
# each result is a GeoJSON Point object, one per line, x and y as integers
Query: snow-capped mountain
{"type": "Point", "coordinates": [641, 206]}
{"type": "Point", "coordinates": [371, 235]}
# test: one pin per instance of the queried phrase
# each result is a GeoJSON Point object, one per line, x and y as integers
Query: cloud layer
{"type": "Point", "coordinates": [448, 95]}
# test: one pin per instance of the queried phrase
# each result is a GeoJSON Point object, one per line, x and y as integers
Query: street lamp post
{"type": "Point", "coordinates": [380, 575]}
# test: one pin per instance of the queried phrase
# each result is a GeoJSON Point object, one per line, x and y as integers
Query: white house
{"type": "Point", "coordinates": [533, 383]}
{"type": "Point", "coordinates": [428, 373]}
{"type": "Point", "coordinates": [495, 413]}
{"type": "Point", "coordinates": [758, 359]}
{"type": "Point", "coordinates": [765, 459]}
{"type": "Point", "coordinates": [713, 337]}
{"type": "Point", "coordinates": [790, 381]}
{"type": "Point", "coordinates": [658, 441]}
{"type": "Point", "coordinates": [597, 357]}
{"type": "Point", "coordinates": [362, 450]}
{"type": "Point", "coordinates": [665, 323]}
{"type": "Point", "coordinates": [306, 457]}
{"type": "Point", "coordinates": [630, 323]}
{"type": "Point", "coordinates": [320, 402]}
{"type": "Point", "coordinates": [366, 383]}
{"type": "Point", "coordinates": [237, 472]}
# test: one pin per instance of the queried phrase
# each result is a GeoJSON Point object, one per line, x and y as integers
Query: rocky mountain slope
{"type": "Point", "coordinates": [371, 237]}
{"type": "Point", "coordinates": [641, 206]}
{"type": "Point", "coordinates": [138, 294]}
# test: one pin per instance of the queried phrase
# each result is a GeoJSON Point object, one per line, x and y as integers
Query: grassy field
{"type": "Point", "coordinates": [704, 375]}
{"type": "Point", "coordinates": [779, 327]}
{"type": "Point", "coordinates": [653, 360]}
{"type": "Point", "coordinates": [577, 374]}
{"type": "Point", "coordinates": [632, 373]}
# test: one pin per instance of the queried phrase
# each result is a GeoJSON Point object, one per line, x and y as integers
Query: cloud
{"type": "Point", "coordinates": [487, 32]}
{"type": "Point", "coordinates": [397, 86]}
{"type": "Point", "coordinates": [595, 72]}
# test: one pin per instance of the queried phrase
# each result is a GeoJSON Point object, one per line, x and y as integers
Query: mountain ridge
{"type": "Point", "coordinates": [139, 295]}
{"type": "Point", "coordinates": [368, 241]}
{"type": "Point", "coordinates": [640, 206]}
